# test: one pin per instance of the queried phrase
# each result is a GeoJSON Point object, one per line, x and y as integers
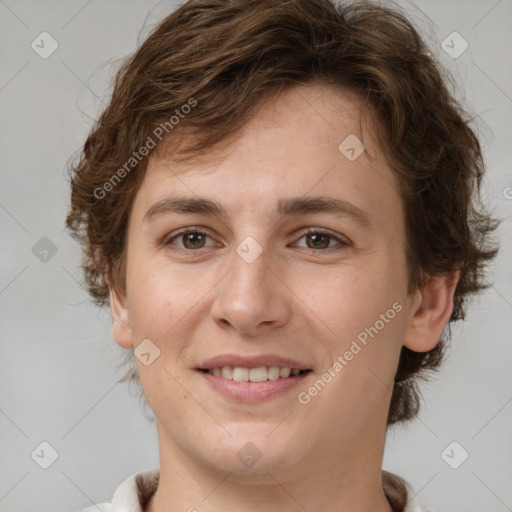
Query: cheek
{"type": "Point", "coordinates": [364, 309]}
{"type": "Point", "coordinates": [166, 304]}
{"type": "Point", "coordinates": [368, 321]}
{"type": "Point", "coordinates": [157, 298]}
{"type": "Point", "coordinates": [356, 298]}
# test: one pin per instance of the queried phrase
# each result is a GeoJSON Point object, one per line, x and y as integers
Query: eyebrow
{"type": "Point", "coordinates": [286, 207]}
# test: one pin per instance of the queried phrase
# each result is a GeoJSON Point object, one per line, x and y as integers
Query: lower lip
{"type": "Point", "coordinates": [252, 391]}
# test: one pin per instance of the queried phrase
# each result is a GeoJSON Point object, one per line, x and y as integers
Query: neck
{"type": "Point", "coordinates": [340, 480]}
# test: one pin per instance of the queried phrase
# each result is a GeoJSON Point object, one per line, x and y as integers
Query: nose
{"type": "Point", "coordinates": [253, 297]}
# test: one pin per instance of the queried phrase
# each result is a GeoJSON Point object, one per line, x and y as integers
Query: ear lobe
{"type": "Point", "coordinates": [121, 329]}
{"type": "Point", "coordinates": [432, 312]}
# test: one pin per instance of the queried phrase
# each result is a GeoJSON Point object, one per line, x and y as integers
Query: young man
{"type": "Point", "coordinates": [279, 206]}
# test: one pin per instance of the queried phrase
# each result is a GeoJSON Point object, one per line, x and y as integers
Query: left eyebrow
{"type": "Point", "coordinates": [285, 207]}
{"type": "Point", "coordinates": [322, 204]}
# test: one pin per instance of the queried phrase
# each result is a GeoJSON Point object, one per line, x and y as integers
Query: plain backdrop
{"type": "Point", "coordinates": [58, 373]}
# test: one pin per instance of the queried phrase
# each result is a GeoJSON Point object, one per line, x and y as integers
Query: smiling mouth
{"type": "Point", "coordinates": [258, 374]}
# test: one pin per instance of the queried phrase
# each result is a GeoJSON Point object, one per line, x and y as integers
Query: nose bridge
{"type": "Point", "coordinates": [250, 294]}
{"type": "Point", "coordinates": [250, 264]}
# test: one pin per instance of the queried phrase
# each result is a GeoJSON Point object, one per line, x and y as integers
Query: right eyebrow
{"type": "Point", "coordinates": [184, 204]}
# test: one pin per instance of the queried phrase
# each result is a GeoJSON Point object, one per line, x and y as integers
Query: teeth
{"type": "Point", "coordinates": [273, 373]}
{"type": "Point", "coordinates": [227, 372]}
{"type": "Point", "coordinates": [241, 374]}
{"type": "Point", "coordinates": [284, 372]}
{"type": "Point", "coordinates": [259, 374]}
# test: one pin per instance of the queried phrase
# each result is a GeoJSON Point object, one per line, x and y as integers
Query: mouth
{"type": "Point", "coordinates": [250, 380]}
{"type": "Point", "coordinates": [257, 374]}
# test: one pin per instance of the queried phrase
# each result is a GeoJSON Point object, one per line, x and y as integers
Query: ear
{"type": "Point", "coordinates": [121, 328]}
{"type": "Point", "coordinates": [432, 309]}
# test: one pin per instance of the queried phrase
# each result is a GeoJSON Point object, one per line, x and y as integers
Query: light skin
{"type": "Point", "coordinates": [303, 297]}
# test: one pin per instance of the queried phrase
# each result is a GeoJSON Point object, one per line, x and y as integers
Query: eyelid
{"type": "Point", "coordinates": [341, 239]}
{"type": "Point", "coordinates": [183, 231]}
{"type": "Point", "coordinates": [322, 231]}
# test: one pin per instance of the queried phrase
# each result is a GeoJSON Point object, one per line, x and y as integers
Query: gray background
{"type": "Point", "coordinates": [58, 374]}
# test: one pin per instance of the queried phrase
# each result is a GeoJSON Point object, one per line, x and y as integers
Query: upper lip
{"type": "Point", "coordinates": [236, 360]}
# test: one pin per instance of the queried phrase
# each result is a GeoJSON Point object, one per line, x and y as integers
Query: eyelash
{"type": "Point", "coordinates": [167, 242]}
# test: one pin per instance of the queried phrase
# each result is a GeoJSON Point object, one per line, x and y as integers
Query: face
{"type": "Point", "coordinates": [272, 279]}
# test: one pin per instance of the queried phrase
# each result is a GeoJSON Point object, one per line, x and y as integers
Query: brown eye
{"type": "Point", "coordinates": [321, 240]}
{"type": "Point", "coordinates": [318, 241]}
{"type": "Point", "coordinates": [190, 239]}
{"type": "Point", "coordinates": [196, 240]}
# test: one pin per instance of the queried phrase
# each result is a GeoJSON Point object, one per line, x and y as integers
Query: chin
{"type": "Point", "coordinates": [255, 451]}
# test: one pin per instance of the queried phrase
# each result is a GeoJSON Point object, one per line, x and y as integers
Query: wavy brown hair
{"type": "Point", "coordinates": [228, 57]}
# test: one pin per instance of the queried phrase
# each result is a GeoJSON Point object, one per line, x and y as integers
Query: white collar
{"type": "Point", "coordinates": [138, 488]}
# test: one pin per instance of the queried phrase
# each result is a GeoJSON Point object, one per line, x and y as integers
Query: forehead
{"type": "Point", "coordinates": [317, 112]}
{"type": "Point", "coordinates": [300, 143]}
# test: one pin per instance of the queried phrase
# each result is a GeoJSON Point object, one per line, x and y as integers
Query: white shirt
{"type": "Point", "coordinates": [136, 490]}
